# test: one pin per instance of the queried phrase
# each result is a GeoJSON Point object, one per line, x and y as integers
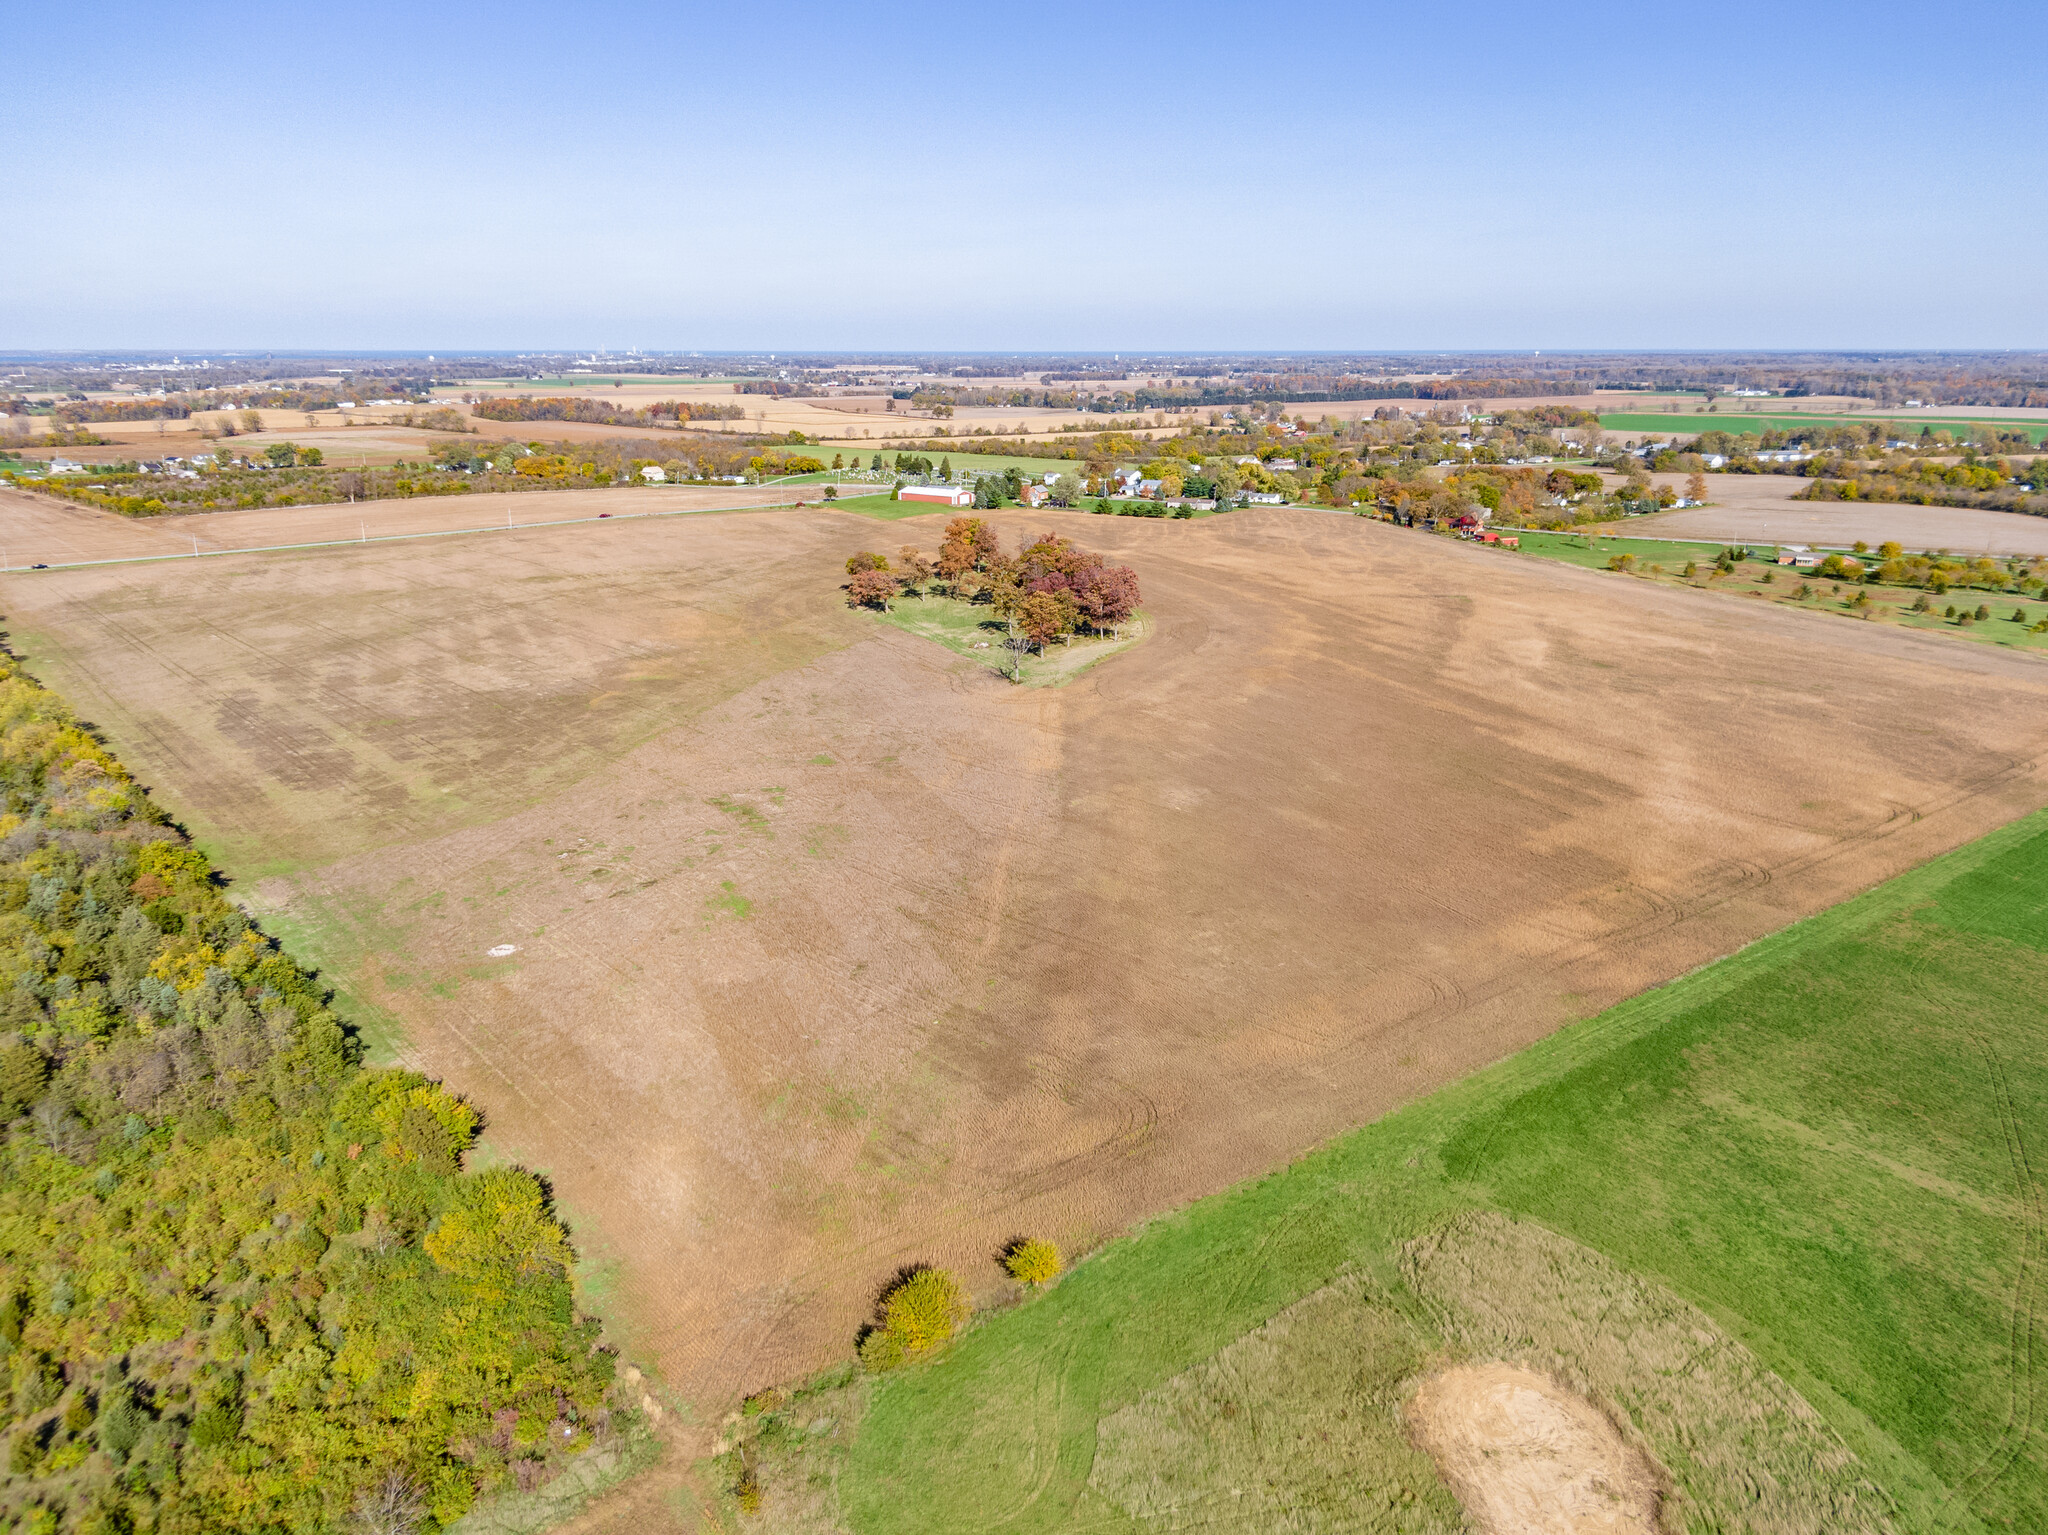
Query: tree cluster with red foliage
{"type": "Point", "coordinates": [1049, 588]}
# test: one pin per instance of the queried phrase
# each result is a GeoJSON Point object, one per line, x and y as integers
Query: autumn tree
{"type": "Point", "coordinates": [1043, 617]}
{"type": "Point", "coordinates": [1696, 487]}
{"type": "Point", "coordinates": [867, 559]}
{"type": "Point", "coordinates": [913, 570]}
{"type": "Point", "coordinates": [923, 1308]}
{"type": "Point", "coordinates": [870, 588]}
{"type": "Point", "coordinates": [1107, 595]}
{"type": "Point", "coordinates": [1033, 1261]}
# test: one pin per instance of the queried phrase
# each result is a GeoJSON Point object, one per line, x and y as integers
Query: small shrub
{"type": "Point", "coordinates": [1621, 562]}
{"type": "Point", "coordinates": [926, 1309]}
{"type": "Point", "coordinates": [1033, 1261]}
{"type": "Point", "coordinates": [1983, 612]}
{"type": "Point", "coordinates": [26, 1453]}
{"type": "Point", "coordinates": [882, 1351]}
{"type": "Point", "coordinates": [920, 1309]}
{"type": "Point", "coordinates": [747, 1492]}
{"type": "Point", "coordinates": [867, 559]}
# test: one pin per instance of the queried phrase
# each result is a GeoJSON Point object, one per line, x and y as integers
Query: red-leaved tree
{"type": "Point", "coordinates": [1107, 595]}
{"type": "Point", "coordinates": [870, 588]}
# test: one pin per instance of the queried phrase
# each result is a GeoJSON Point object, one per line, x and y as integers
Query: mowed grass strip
{"type": "Point", "coordinates": [887, 510]}
{"type": "Point", "coordinates": [1828, 1142]}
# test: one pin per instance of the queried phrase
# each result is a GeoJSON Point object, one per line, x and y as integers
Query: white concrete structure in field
{"type": "Point", "coordinates": [938, 495]}
{"type": "Point", "coordinates": [654, 474]}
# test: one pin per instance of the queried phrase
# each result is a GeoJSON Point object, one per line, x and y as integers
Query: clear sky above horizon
{"type": "Point", "coordinates": [1037, 177]}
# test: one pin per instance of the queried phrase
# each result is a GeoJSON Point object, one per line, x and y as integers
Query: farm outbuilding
{"type": "Point", "coordinates": [938, 495]}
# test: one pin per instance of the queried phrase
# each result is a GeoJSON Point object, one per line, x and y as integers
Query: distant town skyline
{"type": "Point", "coordinates": [918, 178]}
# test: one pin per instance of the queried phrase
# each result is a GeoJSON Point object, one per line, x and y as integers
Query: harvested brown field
{"type": "Point", "coordinates": [832, 951]}
{"type": "Point", "coordinates": [1763, 519]}
{"type": "Point", "coordinates": [38, 529]}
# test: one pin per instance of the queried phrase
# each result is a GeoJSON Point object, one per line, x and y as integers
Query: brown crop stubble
{"type": "Point", "coordinates": [837, 953]}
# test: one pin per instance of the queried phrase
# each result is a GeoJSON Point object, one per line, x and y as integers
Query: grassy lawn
{"type": "Point", "coordinates": [1812, 1158]}
{"type": "Point", "coordinates": [889, 511]}
{"type": "Point", "coordinates": [972, 630]}
{"type": "Point", "coordinates": [1664, 560]}
{"type": "Point", "coordinates": [1593, 549]}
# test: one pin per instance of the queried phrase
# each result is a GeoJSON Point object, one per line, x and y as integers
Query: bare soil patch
{"type": "Point", "coordinates": [1527, 1457]}
{"type": "Point", "coordinates": [835, 953]}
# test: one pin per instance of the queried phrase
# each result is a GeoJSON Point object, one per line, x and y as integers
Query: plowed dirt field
{"type": "Point", "coordinates": [833, 951]}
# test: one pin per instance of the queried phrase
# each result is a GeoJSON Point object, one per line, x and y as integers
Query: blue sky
{"type": "Point", "coordinates": [1036, 177]}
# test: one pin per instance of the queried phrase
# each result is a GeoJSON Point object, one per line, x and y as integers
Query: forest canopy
{"type": "Point", "coordinates": [244, 1283]}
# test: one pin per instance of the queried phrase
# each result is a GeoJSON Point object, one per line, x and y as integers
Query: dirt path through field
{"type": "Point", "coordinates": [833, 951]}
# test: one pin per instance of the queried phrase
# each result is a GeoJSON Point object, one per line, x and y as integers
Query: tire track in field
{"type": "Point", "coordinates": [2022, 1373]}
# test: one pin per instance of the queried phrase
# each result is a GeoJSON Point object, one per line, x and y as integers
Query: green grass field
{"type": "Point", "coordinates": [887, 510]}
{"type": "Point", "coordinates": [1593, 549]}
{"type": "Point", "coordinates": [1693, 423]}
{"type": "Point", "coordinates": [1812, 1158]}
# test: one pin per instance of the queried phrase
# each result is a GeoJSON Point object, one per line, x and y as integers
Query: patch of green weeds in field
{"type": "Point", "coordinates": [728, 902]}
{"type": "Point", "coordinates": [824, 759]}
{"type": "Point", "coordinates": [827, 840]}
{"type": "Point", "coordinates": [749, 816]}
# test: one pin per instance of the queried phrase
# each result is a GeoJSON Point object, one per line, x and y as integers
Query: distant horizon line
{"type": "Point", "coordinates": [429, 354]}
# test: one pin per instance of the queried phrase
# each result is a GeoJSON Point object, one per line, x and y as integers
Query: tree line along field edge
{"type": "Point", "coordinates": [245, 1282]}
{"type": "Point", "coordinates": [1806, 1140]}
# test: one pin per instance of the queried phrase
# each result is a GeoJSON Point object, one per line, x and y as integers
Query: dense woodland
{"type": "Point", "coordinates": [244, 1283]}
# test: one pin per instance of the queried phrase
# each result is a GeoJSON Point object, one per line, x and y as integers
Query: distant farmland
{"type": "Point", "coordinates": [1688, 425]}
